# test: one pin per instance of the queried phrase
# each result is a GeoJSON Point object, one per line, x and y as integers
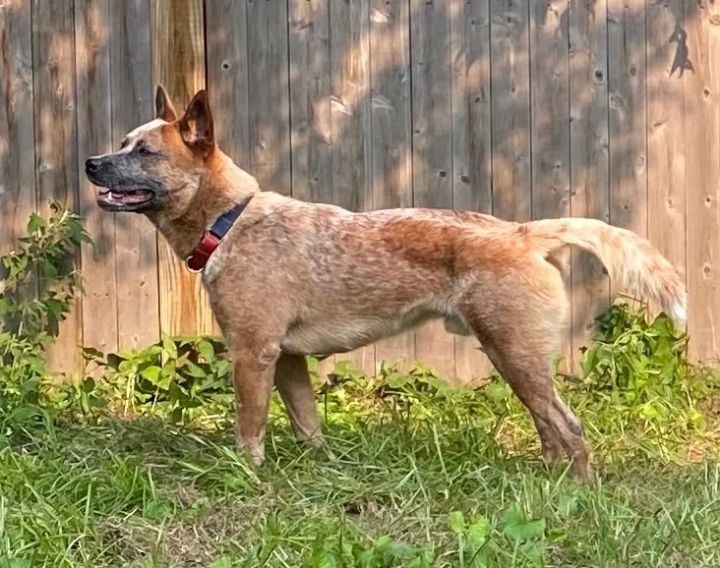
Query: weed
{"type": "Point", "coordinates": [39, 283]}
{"type": "Point", "coordinates": [184, 377]}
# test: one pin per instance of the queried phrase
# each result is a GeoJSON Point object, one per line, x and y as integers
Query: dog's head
{"type": "Point", "coordinates": [159, 165]}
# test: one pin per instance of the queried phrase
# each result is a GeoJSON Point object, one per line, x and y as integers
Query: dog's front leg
{"type": "Point", "coordinates": [293, 382]}
{"type": "Point", "coordinates": [253, 380]}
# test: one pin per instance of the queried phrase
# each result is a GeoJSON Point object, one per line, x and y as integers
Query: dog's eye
{"type": "Point", "coordinates": [143, 149]}
{"type": "Point", "coordinates": [123, 143]}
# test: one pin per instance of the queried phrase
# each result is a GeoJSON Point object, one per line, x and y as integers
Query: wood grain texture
{"type": "Point", "coordinates": [178, 49]}
{"type": "Point", "coordinates": [666, 130]}
{"type": "Point", "coordinates": [311, 117]}
{"type": "Point", "coordinates": [550, 120]}
{"type": "Point", "coordinates": [17, 137]}
{"type": "Point", "coordinates": [136, 239]}
{"type": "Point", "coordinates": [628, 135]}
{"type": "Point", "coordinates": [550, 123]}
{"type": "Point", "coordinates": [510, 109]}
{"type": "Point", "coordinates": [94, 136]}
{"type": "Point", "coordinates": [269, 103]}
{"type": "Point", "coordinates": [702, 176]}
{"type": "Point", "coordinates": [350, 121]}
{"type": "Point", "coordinates": [430, 49]}
{"type": "Point", "coordinates": [310, 101]}
{"type": "Point", "coordinates": [56, 143]}
{"type": "Point", "coordinates": [471, 140]}
{"type": "Point", "coordinates": [365, 103]}
{"type": "Point", "coordinates": [589, 159]}
{"type": "Point", "coordinates": [227, 76]}
{"type": "Point", "coordinates": [391, 130]}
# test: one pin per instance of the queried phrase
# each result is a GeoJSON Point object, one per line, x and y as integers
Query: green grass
{"type": "Point", "coordinates": [419, 478]}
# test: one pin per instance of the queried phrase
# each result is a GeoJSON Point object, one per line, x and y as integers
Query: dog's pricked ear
{"type": "Point", "coordinates": [196, 126]}
{"type": "Point", "coordinates": [163, 107]}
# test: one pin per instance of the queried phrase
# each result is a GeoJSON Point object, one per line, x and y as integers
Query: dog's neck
{"type": "Point", "coordinates": [222, 188]}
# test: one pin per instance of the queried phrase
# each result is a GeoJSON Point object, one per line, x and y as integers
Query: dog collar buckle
{"type": "Point", "coordinates": [197, 259]}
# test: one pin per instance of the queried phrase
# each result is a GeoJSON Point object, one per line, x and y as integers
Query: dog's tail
{"type": "Point", "coordinates": [630, 260]}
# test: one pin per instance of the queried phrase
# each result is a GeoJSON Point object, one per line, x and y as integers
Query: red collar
{"type": "Point", "coordinates": [211, 239]}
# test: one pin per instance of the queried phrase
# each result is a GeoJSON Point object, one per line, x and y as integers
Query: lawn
{"type": "Point", "coordinates": [415, 474]}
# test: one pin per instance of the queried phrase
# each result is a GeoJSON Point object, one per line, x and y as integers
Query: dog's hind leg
{"type": "Point", "coordinates": [520, 331]}
{"type": "Point", "coordinates": [528, 372]}
{"type": "Point", "coordinates": [293, 383]}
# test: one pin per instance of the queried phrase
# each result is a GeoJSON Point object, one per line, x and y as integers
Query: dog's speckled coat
{"type": "Point", "coordinates": [294, 278]}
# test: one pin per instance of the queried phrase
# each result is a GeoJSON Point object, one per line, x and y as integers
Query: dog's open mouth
{"type": "Point", "coordinates": [125, 199]}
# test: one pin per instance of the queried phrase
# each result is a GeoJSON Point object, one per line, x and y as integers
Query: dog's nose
{"type": "Point", "coordinates": [92, 165]}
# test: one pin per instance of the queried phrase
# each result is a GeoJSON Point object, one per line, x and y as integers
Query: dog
{"type": "Point", "coordinates": [288, 278]}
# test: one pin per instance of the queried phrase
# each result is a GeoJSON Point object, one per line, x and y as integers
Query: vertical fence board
{"type": "Point", "coordinates": [268, 94]}
{"type": "Point", "coordinates": [136, 241]}
{"type": "Point", "coordinates": [56, 141]}
{"type": "Point", "coordinates": [627, 125]}
{"type": "Point", "coordinates": [471, 140]}
{"type": "Point", "coordinates": [179, 65]}
{"type": "Point", "coordinates": [311, 128]}
{"type": "Point", "coordinates": [666, 130]}
{"type": "Point", "coordinates": [550, 132]}
{"type": "Point", "coordinates": [351, 164]}
{"type": "Point", "coordinates": [17, 142]}
{"type": "Point", "coordinates": [92, 67]}
{"type": "Point", "coordinates": [310, 94]}
{"type": "Point", "coordinates": [702, 176]}
{"type": "Point", "coordinates": [227, 76]}
{"type": "Point", "coordinates": [589, 160]}
{"type": "Point", "coordinates": [391, 129]}
{"type": "Point", "coordinates": [432, 145]}
{"type": "Point", "coordinates": [510, 109]}
{"type": "Point", "coordinates": [550, 138]}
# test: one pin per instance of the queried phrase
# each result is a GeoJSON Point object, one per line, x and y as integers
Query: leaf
{"type": "Point", "coordinates": [525, 531]}
{"type": "Point", "coordinates": [479, 531]}
{"type": "Point", "coordinates": [518, 527]}
{"type": "Point", "coordinates": [456, 521]}
{"type": "Point", "coordinates": [49, 270]}
{"type": "Point", "coordinates": [567, 505]}
{"type": "Point", "coordinates": [152, 374]}
{"type": "Point", "coordinates": [169, 346]}
{"type": "Point", "coordinates": [497, 391]}
{"type": "Point", "coordinates": [26, 413]}
{"type": "Point", "coordinates": [206, 350]}
{"type": "Point", "coordinates": [158, 510]}
{"type": "Point", "coordinates": [35, 223]}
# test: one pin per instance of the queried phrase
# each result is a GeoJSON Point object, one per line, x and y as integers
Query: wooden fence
{"type": "Point", "coordinates": [525, 108]}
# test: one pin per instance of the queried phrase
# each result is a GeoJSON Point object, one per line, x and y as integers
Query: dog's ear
{"type": "Point", "coordinates": [196, 126]}
{"type": "Point", "coordinates": [163, 107]}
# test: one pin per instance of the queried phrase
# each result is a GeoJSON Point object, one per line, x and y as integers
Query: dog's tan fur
{"type": "Point", "coordinates": [294, 278]}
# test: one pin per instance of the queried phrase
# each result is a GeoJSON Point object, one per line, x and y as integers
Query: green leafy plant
{"type": "Point", "coordinates": [471, 539]}
{"type": "Point", "coordinates": [509, 539]}
{"type": "Point", "coordinates": [39, 283]}
{"type": "Point", "coordinates": [40, 279]}
{"type": "Point", "coordinates": [183, 377]}
{"type": "Point", "coordinates": [349, 549]}
{"type": "Point", "coordinates": [642, 367]}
